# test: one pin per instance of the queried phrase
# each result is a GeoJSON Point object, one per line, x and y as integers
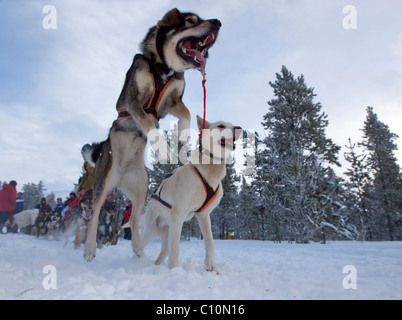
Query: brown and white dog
{"type": "Point", "coordinates": [193, 189]}
{"type": "Point", "coordinates": [78, 224]}
{"type": "Point", "coordinates": [84, 217]}
{"type": "Point", "coordinates": [153, 88]}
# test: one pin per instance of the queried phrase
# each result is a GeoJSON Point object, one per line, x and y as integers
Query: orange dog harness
{"type": "Point", "coordinates": [209, 197]}
{"type": "Point", "coordinates": [153, 103]}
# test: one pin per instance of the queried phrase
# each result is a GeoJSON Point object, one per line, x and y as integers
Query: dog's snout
{"type": "Point", "coordinates": [216, 22]}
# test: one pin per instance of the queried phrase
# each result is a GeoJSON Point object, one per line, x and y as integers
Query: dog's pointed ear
{"type": "Point", "coordinates": [200, 122]}
{"type": "Point", "coordinates": [173, 18]}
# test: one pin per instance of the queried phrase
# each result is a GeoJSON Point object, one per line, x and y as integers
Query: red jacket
{"type": "Point", "coordinates": [126, 215]}
{"type": "Point", "coordinates": [8, 198]}
{"type": "Point", "coordinates": [74, 203]}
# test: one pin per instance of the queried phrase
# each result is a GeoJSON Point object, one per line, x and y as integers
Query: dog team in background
{"type": "Point", "coordinates": [153, 88]}
{"type": "Point", "coordinates": [66, 218]}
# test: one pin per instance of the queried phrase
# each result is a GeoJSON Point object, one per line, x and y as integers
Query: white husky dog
{"type": "Point", "coordinates": [193, 189]}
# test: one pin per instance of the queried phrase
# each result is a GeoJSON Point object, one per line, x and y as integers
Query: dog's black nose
{"type": "Point", "coordinates": [216, 22]}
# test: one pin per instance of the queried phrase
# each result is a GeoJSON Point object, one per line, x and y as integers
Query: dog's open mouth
{"type": "Point", "coordinates": [87, 213]}
{"type": "Point", "coordinates": [195, 50]}
{"type": "Point", "coordinates": [228, 143]}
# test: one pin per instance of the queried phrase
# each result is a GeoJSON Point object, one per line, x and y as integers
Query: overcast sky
{"type": "Point", "coordinates": [58, 87]}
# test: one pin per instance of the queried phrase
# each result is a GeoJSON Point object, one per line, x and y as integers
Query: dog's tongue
{"type": "Point", "coordinates": [200, 58]}
{"type": "Point", "coordinates": [87, 214]}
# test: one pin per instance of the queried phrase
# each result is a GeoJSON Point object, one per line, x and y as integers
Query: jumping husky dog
{"type": "Point", "coordinates": [193, 189]}
{"type": "Point", "coordinates": [153, 87]}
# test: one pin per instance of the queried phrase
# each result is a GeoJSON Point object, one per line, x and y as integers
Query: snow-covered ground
{"type": "Point", "coordinates": [248, 270]}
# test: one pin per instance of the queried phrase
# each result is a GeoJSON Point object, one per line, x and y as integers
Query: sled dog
{"type": "Point", "coordinates": [193, 189]}
{"type": "Point", "coordinates": [42, 222]}
{"type": "Point", "coordinates": [25, 218]}
{"type": "Point", "coordinates": [78, 223]}
{"type": "Point", "coordinates": [153, 88]}
{"type": "Point", "coordinates": [84, 216]}
{"type": "Point", "coordinates": [108, 230]}
{"type": "Point", "coordinates": [54, 226]}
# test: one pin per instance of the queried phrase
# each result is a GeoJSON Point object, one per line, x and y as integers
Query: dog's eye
{"type": "Point", "coordinates": [221, 126]}
{"type": "Point", "coordinates": [191, 20]}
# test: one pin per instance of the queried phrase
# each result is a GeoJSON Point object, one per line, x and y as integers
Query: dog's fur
{"type": "Point", "coordinates": [185, 192]}
{"type": "Point", "coordinates": [25, 218]}
{"type": "Point", "coordinates": [54, 226]}
{"type": "Point", "coordinates": [78, 224]}
{"type": "Point", "coordinates": [84, 217]}
{"type": "Point", "coordinates": [180, 41]}
{"type": "Point", "coordinates": [108, 229]}
{"type": "Point", "coordinates": [41, 223]}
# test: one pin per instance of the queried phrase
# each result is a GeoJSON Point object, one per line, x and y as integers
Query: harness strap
{"type": "Point", "coordinates": [152, 107]}
{"type": "Point", "coordinates": [123, 114]}
{"type": "Point", "coordinates": [210, 193]}
{"type": "Point", "coordinates": [156, 97]}
{"type": "Point", "coordinates": [157, 197]}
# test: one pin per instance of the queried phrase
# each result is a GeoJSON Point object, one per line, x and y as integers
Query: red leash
{"type": "Point", "coordinates": [205, 104]}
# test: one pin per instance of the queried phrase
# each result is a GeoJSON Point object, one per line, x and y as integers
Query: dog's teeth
{"type": "Point", "coordinates": [184, 50]}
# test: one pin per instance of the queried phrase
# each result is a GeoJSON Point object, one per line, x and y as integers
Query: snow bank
{"type": "Point", "coordinates": [249, 270]}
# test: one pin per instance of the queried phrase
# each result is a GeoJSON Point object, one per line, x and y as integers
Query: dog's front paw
{"type": "Point", "coordinates": [211, 267]}
{"type": "Point", "coordinates": [139, 252]}
{"type": "Point", "coordinates": [89, 253]}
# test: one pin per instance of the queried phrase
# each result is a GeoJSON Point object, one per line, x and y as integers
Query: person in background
{"type": "Point", "coordinates": [127, 215]}
{"type": "Point", "coordinates": [71, 203]}
{"type": "Point", "coordinates": [59, 206]}
{"type": "Point", "coordinates": [73, 196]}
{"type": "Point", "coordinates": [43, 206]}
{"type": "Point", "coordinates": [19, 203]}
{"type": "Point", "coordinates": [8, 200]}
{"type": "Point", "coordinates": [86, 182]}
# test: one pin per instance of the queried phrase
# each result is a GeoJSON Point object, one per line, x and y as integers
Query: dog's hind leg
{"type": "Point", "coordinates": [90, 243]}
{"type": "Point", "coordinates": [100, 192]}
{"type": "Point", "coordinates": [135, 185]}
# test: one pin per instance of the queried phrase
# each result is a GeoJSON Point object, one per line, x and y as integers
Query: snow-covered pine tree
{"type": "Point", "coordinates": [379, 143]}
{"type": "Point", "coordinates": [263, 187]}
{"type": "Point", "coordinates": [224, 217]}
{"type": "Point", "coordinates": [32, 193]}
{"type": "Point", "coordinates": [293, 111]}
{"type": "Point", "coordinates": [358, 186]}
{"type": "Point", "coordinates": [246, 205]}
{"type": "Point", "coordinates": [300, 187]}
{"type": "Point", "coordinates": [51, 199]}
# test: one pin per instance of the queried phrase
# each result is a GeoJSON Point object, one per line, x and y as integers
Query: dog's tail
{"type": "Point", "coordinates": [91, 153]}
